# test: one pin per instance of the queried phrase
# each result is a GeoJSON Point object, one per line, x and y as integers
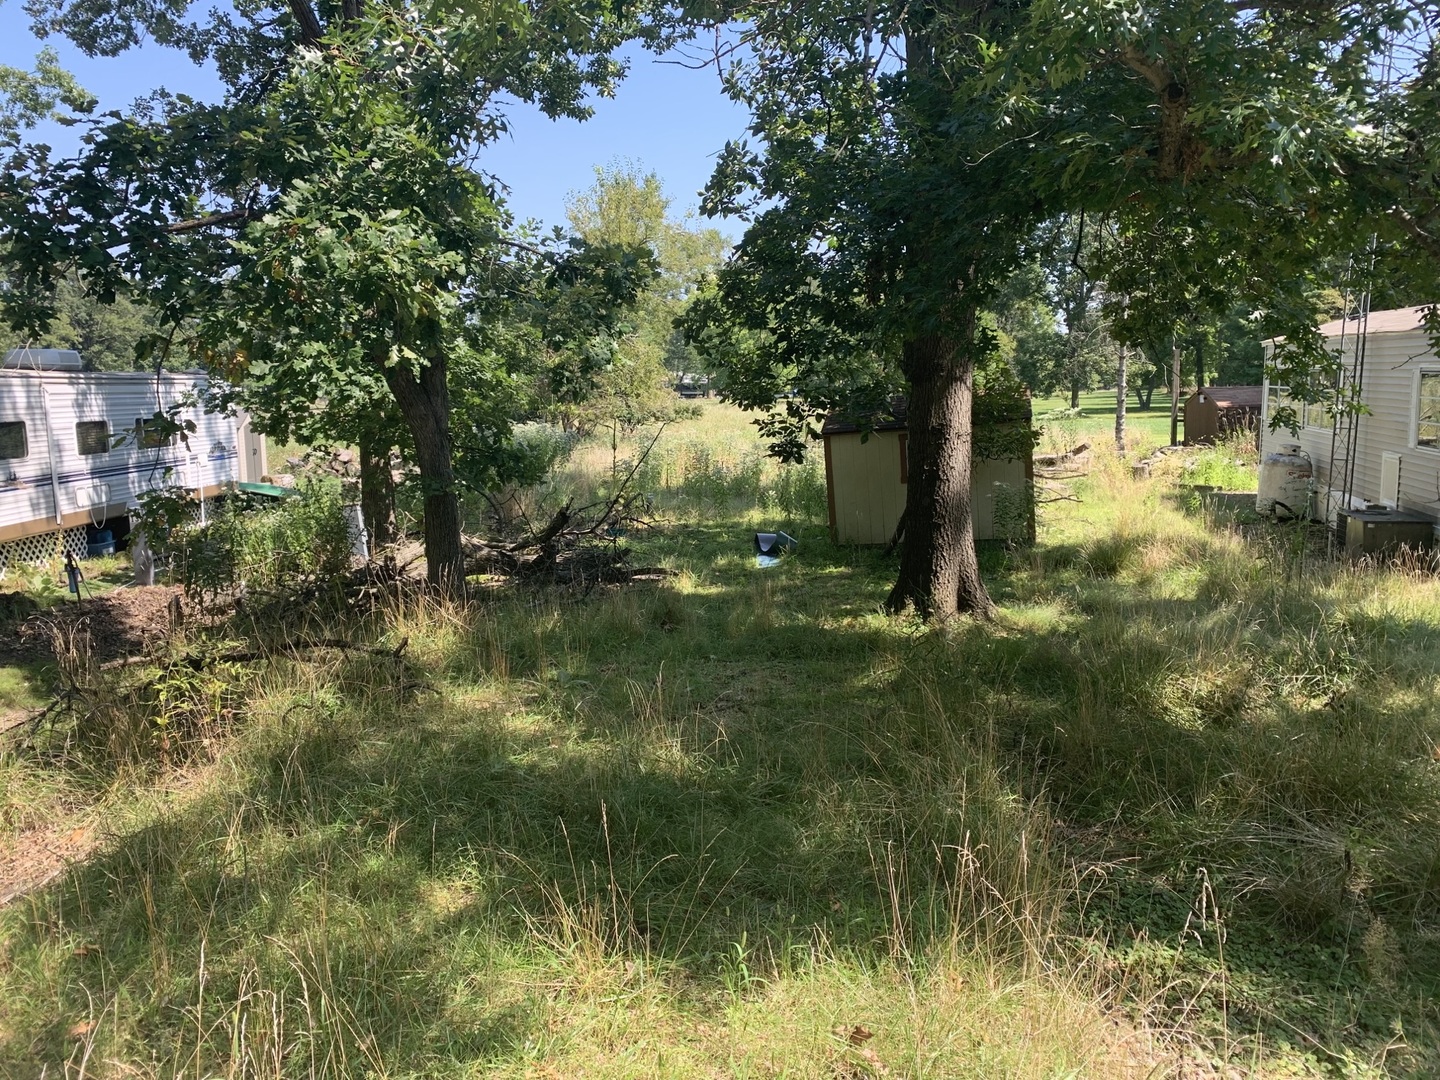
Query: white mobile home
{"type": "Point", "coordinates": [64, 466]}
{"type": "Point", "coordinates": [1396, 458]}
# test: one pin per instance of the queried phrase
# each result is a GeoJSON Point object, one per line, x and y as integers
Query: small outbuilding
{"type": "Point", "coordinates": [867, 474]}
{"type": "Point", "coordinates": [1213, 412]}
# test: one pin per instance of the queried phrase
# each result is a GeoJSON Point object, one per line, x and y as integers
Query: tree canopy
{"type": "Point", "coordinates": [324, 229]}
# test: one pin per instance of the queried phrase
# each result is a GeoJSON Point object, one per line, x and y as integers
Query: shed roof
{"type": "Point", "coordinates": [895, 418]}
{"type": "Point", "coordinates": [1234, 397]}
{"type": "Point", "coordinates": [1395, 321]}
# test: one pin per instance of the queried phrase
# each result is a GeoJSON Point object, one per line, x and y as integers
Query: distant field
{"type": "Point", "coordinates": [1144, 428]}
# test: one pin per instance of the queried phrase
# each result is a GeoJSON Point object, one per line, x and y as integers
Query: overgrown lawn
{"type": "Point", "coordinates": [1177, 811]}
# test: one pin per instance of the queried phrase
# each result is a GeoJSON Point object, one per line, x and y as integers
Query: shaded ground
{"type": "Point", "coordinates": [120, 623]}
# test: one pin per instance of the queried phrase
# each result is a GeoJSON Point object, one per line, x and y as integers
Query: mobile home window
{"type": "Point", "coordinates": [1427, 411]}
{"type": "Point", "coordinates": [148, 434]}
{"type": "Point", "coordinates": [92, 437]}
{"type": "Point", "coordinates": [1318, 415]}
{"type": "Point", "coordinates": [13, 443]}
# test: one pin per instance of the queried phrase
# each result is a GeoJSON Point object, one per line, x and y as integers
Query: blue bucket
{"type": "Point", "coordinates": [102, 544]}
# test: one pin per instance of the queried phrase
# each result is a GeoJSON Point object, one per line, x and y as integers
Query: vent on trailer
{"type": "Point", "coordinates": [44, 360]}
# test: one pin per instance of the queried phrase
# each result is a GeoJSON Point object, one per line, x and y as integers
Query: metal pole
{"type": "Point", "coordinates": [50, 449]}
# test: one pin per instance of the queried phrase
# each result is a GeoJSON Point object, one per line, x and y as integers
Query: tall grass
{"type": "Point", "coordinates": [1174, 814]}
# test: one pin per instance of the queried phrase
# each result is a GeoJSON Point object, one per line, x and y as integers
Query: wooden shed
{"type": "Point", "coordinates": [866, 477]}
{"type": "Point", "coordinates": [1216, 411]}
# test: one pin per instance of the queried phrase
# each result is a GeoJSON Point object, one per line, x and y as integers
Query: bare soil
{"type": "Point", "coordinates": [38, 856]}
{"type": "Point", "coordinates": [123, 622]}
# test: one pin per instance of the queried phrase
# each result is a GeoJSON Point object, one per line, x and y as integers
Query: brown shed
{"type": "Point", "coordinates": [1215, 411]}
{"type": "Point", "coordinates": [866, 478]}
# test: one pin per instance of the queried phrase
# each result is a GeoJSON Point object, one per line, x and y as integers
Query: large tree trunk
{"type": "Point", "coordinates": [939, 573]}
{"type": "Point", "coordinates": [1144, 395]}
{"type": "Point", "coordinates": [1074, 393]}
{"type": "Point", "coordinates": [377, 493]}
{"type": "Point", "coordinates": [424, 400]}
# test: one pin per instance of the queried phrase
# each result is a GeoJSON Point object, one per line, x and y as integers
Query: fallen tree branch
{"type": "Point", "coordinates": [1062, 459]}
{"type": "Point", "coordinates": [198, 660]}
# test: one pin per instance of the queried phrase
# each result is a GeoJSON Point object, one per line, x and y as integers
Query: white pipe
{"type": "Point", "coordinates": [50, 448]}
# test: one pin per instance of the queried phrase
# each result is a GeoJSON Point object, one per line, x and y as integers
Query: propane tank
{"type": "Point", "coordinates": [1285, 482]}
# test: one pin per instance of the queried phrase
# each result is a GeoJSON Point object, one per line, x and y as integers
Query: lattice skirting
{"type": "Point", "coordinates": [44, 549]}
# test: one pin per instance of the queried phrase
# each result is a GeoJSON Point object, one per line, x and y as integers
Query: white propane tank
{"type": "Point", "coordinates": [1285, 482]}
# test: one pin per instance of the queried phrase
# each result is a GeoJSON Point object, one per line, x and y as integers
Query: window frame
{"type": "Point", "coordinates": [1415, 444]}
{"type": "Point", "coordinates": [143, 440]}
{"type": "Point", "coordinates": [80, 446]}
{"type": "Point", "coordinates": [24, 440]}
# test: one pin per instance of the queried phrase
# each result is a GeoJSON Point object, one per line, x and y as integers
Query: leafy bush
{"type": "Point", "coordinates": [1219, 469]}
{"type": "Point", "coordinates": [247, 543]}
{"type": "Point", "coordinates": [539, 449]}
{"type": "Point", "coordinates": [798, 491]}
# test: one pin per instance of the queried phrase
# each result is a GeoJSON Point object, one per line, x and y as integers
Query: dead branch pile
{"type": "Point", "coordinates": [1064, 466]}
{"type": "Point", "coordinates": [578, 546]}
{"type": "Point", "coordinates": [168, 703]}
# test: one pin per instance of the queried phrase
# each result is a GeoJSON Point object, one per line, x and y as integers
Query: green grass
{"type": "Point", "coordinates": [1177, 810]}
{"type": "Point", "coordinates": [1145, 428]}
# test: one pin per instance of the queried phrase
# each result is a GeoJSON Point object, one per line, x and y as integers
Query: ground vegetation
{"type": "Point", "coordinates": [1171, 814]}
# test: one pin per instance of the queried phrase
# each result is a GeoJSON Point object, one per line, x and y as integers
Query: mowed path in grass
{"type": "Point", "coordinates": [1175, 812]}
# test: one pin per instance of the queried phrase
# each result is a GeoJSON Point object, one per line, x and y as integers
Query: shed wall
{"type": "Point", "coordinates": [1392, 365]}
{"type": "Point", "coordinates": [868, 497]}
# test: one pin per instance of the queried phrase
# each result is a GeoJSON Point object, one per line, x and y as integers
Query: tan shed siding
{"type": "Point", "coordinates": [868, 494]}
{"type": "Point", "coordinates": [1009, 471]}
{"type": "Point", "coordinates": [869, 497]}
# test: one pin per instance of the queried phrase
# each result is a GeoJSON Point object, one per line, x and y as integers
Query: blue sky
{"type": "Point", "coordinates": [667, 118]}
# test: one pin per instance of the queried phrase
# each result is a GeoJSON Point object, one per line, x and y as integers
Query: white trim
{"type": "Point", "coordinates": [1424, 369]}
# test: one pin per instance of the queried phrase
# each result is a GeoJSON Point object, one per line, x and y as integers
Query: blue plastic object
{"type": "Point", "coordinates": [771, 547]}
{"type": "Point", "coordinates": [102, 543]}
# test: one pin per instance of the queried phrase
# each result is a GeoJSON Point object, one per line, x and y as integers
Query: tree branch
{"type": "Point", "coordinates": [226, 217]}
{"type": "Point", "coordinates": [309, 23]}
{"type": "Point", "coordinates": [1427, 240]}
{"type": "Point", "coordinates": [1174, 105]}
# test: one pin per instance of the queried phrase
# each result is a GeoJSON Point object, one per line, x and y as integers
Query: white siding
{"type": "Point", "coordinates": [1392, 365]}
{"type": "Point", "coordinates": [94, 485]}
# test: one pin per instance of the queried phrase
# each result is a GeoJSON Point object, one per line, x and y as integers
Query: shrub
{"type": "Point", "coordinates": [249, 544]}
{"type": "Point", "coordinates": [798, 491]}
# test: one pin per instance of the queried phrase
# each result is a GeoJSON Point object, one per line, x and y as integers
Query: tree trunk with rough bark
{"type": "Point", "coordinates": [377, 494]}
{"type": "Point", "coordinates": [424, 401]}
{"type": "Point", "coordinates": [939, 572]}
